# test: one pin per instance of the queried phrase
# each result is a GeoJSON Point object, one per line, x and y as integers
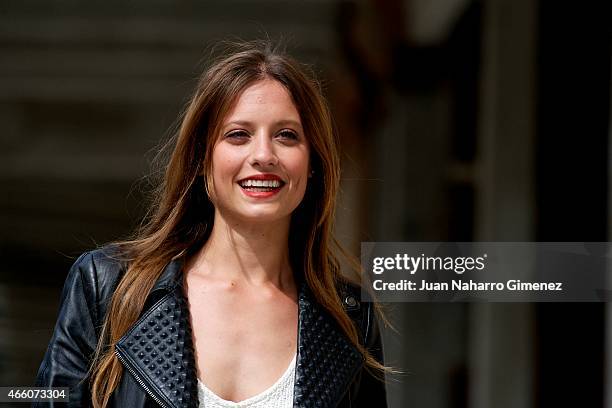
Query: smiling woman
{"type": "Point", "coordinates": [231, 294]}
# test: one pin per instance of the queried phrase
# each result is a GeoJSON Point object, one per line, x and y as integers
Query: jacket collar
{"type": "Point", "coordinates": [171, 276]}
{"type": "Point", "coordinates": [158, 350]}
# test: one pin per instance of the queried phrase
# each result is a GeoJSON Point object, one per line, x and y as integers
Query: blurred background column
{"type": "Point", "coordinates": [501, 349]}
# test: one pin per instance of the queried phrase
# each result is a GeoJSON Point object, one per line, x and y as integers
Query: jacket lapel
{"type": "Point", "coordinates": [158, 349]}
{"type": "Point", "coordinates": [327, 361]}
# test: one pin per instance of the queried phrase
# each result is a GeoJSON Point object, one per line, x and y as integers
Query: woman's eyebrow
{"type": "Point", "coordinates": [239, 123]}
{"type": "Point", "coordinates": [289, 122]}
{"type": "Point", "coordinates": [246, 123]}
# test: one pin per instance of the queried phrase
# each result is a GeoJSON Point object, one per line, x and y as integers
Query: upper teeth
{"type": "Point", "coordinates": [260, 183]}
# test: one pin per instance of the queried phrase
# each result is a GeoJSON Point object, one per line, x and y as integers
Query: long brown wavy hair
{"type": "Point", "coordinates": [181, 217]}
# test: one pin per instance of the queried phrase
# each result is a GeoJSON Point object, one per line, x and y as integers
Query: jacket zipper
{"type": "Point", "coordinates": [140, 382]}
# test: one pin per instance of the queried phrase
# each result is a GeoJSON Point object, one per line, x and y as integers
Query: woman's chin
{"type": "Point", "coordinates": [263, 216]}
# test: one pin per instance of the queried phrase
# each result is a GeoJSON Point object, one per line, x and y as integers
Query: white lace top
{"type": "Point", "coordinates": [278, 395]}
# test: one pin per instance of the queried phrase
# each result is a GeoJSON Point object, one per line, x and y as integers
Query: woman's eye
{"type": "Point", "coordinates": [237, 135]}
{"type": "Point", "coordinates": [288, 134]}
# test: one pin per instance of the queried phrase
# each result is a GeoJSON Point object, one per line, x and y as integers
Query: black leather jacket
{"type": "Point", "coordinates": [157, 351]}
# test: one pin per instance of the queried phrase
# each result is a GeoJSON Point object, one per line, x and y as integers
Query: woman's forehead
{"type": "Point", "coordinates": [263, 100]}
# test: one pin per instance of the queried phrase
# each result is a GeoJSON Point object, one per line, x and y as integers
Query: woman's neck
{"type": "Point", "coordinates": [252, 253]}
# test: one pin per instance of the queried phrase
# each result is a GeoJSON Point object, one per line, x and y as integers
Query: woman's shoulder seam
{"type": "Point", "coordinates": [100, 272]}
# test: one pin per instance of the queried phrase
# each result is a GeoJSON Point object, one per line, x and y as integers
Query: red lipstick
{"type": "Point", "coordinates": [261, 185]}
{"type": "Point", "coordinates": [262, 176]}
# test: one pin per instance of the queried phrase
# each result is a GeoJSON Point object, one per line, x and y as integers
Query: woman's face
{"type": "Point", "coordinates": [260, 162]}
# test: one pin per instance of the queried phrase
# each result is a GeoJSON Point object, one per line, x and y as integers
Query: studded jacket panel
{"type": "Point", "coordinates": [157, 351]}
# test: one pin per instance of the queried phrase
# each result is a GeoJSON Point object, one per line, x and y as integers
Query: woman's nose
{"type": "Point", "coordinates": [263, 153]}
